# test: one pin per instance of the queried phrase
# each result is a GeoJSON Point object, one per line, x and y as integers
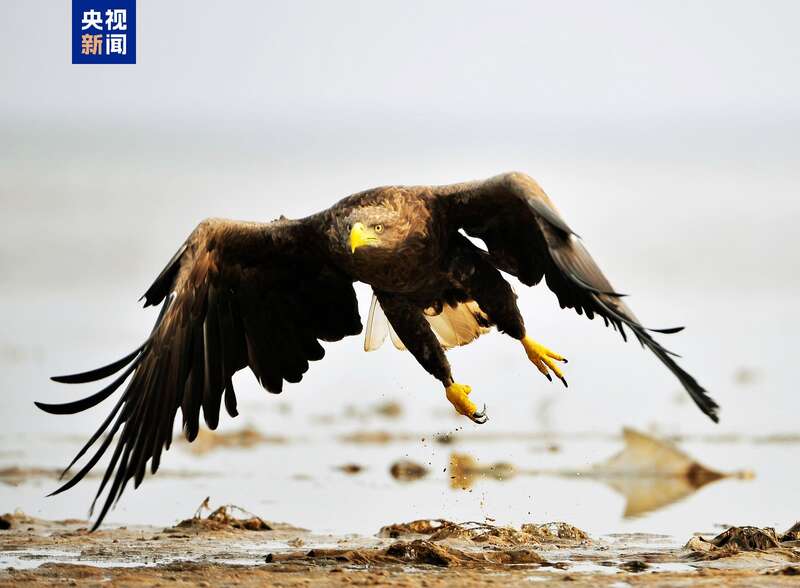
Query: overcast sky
{"type": "Point", "coordinates": [345, 60]}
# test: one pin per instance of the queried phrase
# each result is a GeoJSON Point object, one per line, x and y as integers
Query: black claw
{"type": "Point", "coordinates": [549, 377]}
{"type": "Point", "coordinates": [480, 417]}
{"type": "Point", "coordinates": [564, 381]}
{"type": "Point", "coordinates": [565, 360]}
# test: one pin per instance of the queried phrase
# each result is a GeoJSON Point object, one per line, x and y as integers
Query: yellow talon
{"type": "Point", "coordinates": [458, 394]}
{"type": "Point", "coordinates": [543, 358]}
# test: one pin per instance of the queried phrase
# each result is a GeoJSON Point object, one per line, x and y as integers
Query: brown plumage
{"type": "Point", "coordinates": [263, 296]}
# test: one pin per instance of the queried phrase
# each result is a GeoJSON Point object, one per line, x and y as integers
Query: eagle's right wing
{"type": "Point", "coordinates": [234, 295]}
{"type": "Point", "coordinates": [527, 237]}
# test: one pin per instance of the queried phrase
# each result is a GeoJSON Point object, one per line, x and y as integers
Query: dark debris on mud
{"type": "Point", "coordinates": [231, 545]}
{"type": "Point", "coordinates": [222, 519]}
{"type": "Point", "coordinates": [529, 533]}
{"type": "Point", "coordinates": [736, 540]}
{"type": "Point", "coordinates": [415, 552]}
{"type": "Point", "coordinates": [443, 543]}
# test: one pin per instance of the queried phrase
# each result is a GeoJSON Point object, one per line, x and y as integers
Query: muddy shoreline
{"type": "Point", "coordinates": [228, 547]}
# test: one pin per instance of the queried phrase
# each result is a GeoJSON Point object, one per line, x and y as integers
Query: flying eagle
{"type": "Point", "coordinates": [263, 295]}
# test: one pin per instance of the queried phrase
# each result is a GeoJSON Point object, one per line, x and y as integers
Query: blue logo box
{"type": "Point", "coordinates": [103, 31]}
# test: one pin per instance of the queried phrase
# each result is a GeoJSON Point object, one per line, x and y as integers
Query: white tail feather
{"type": "Point", "coordinates": [377, 326]}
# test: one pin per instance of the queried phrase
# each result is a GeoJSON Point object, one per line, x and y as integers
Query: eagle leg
{"type": "Point", "coordinates": [408, 321]}
{"type": "Point", "coordinates": [481, 280]}
{"type": "Point", "coordinates": [458, 395]}
{"type": "Point", "coordinates": [543, 358]}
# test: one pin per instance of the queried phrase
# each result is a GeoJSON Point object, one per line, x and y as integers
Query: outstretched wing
{"type": "Point", "coordinates": [526, 237]}
{"type": "Point", "coordinates": [234, 295]}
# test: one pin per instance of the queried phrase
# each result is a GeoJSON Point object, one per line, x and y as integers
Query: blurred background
{"type": "Point", "coordinates": [666, 133]}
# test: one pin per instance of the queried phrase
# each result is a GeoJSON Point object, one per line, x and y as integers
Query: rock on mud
{"type": "Point", "coordinates": [407, 471]}
{"type": "Point", "coordinates": [736, 540]}
{"type": "Point", "coordinates": [223, 519]}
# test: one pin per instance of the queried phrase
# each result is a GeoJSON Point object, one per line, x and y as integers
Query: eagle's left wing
{"type": "Point", "coordinates": [526, 237]}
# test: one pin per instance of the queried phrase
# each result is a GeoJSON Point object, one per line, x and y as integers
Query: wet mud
{"type": "Point", "coordinates": [228, 545]}
{"type": "Point", "coordinates": [234, 547]}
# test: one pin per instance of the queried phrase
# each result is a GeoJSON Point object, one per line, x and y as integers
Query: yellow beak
{"type": "Point", "coordinates": [359, 237]}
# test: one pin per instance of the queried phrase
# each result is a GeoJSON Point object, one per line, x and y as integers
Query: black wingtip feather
{"type": "Point", "coordinates": [162, 285]}
{"type": "Point", "coordinates": [584, 284]}
{"type": "Point", "coordinates": [101, 372]}
{"type": "Point", "coordinates": [89, 464]}
{"type": "Point", "coordinates": [90, 401]}
{"type": "Point", "coordinates": [700, 396]}
{"type": "Point", "coordinates": [669, 331]}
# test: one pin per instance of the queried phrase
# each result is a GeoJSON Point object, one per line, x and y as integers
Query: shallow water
{"type": "Point", "coordinates": [297, 482]}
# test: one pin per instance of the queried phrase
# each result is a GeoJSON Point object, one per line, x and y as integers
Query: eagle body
{"type": "Point", "coordinates": [264, 295]}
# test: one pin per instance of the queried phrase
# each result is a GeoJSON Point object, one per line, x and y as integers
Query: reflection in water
{"type": "Point", "coordinates": [407, 471]}
{"type": "Point", "coordinates": [652, 474]}
{"type": "Point", "coordinates": [245, 438]}
{"type": "Point", "coordinates": [648, 472]}
{"type": "Point", "coordinates": [464, 471]}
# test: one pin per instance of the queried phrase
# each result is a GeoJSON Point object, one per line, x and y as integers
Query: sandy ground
{"type": "Point", "coordinates": [230, 548]}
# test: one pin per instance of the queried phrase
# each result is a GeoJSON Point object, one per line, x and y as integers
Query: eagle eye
{"type": "Point", "coordinates": [378, 228]}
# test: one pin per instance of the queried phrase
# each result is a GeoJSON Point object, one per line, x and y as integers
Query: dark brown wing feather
{"type": "Point", "coordinates": [526, 237]}
{"type": "Point", "coordinates": [234, 295]}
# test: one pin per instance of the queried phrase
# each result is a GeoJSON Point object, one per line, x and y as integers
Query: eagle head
{"type": "Point", "coordinates": [375, 227]}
